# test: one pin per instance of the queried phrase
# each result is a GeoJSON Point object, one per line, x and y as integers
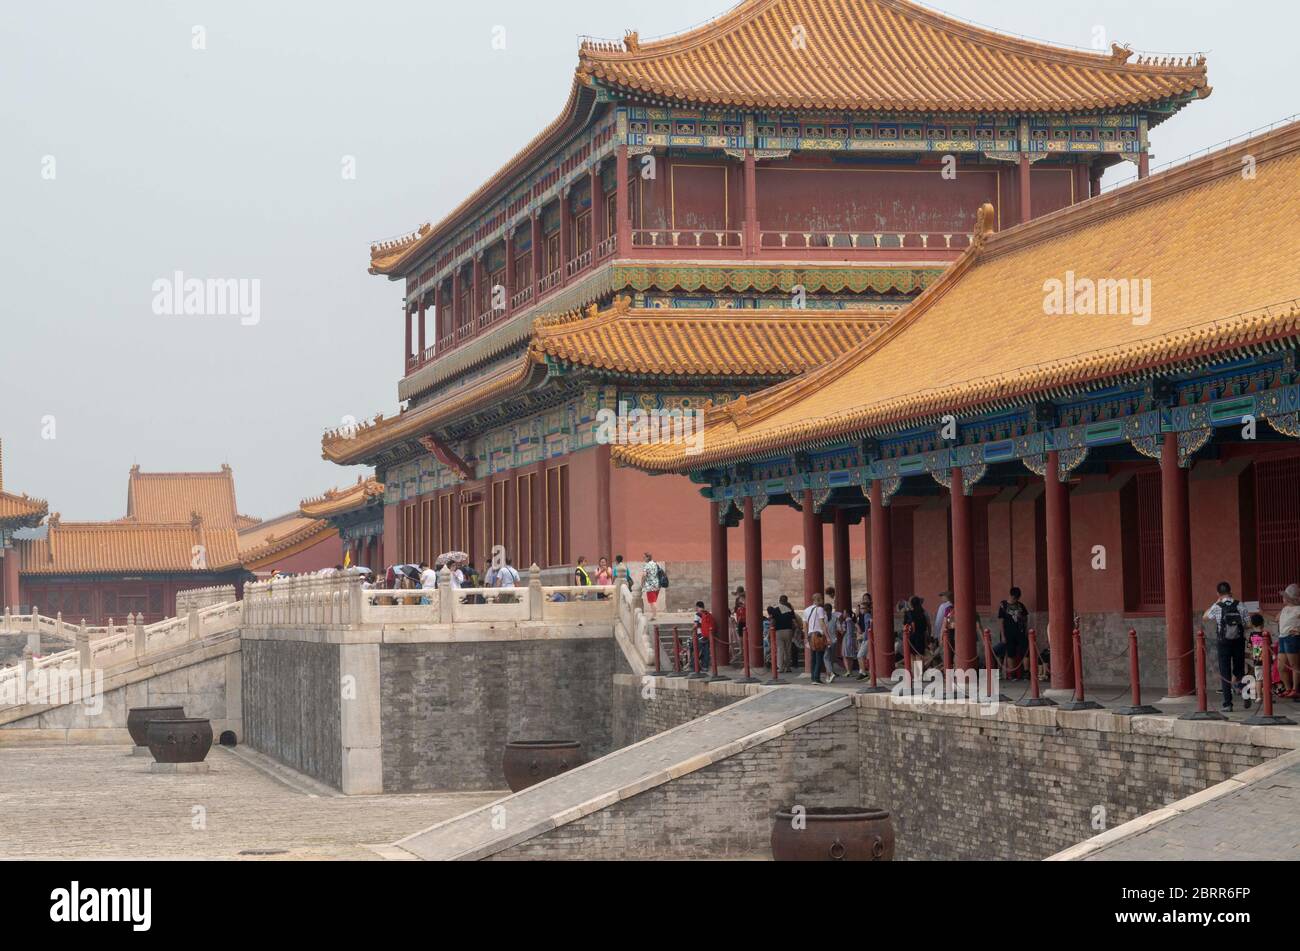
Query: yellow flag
{"type": "Point", "coordinates": [347, 558]}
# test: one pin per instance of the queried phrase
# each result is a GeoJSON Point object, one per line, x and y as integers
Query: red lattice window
{"type": "Point", "coordinates": [1277, 526]}
{"type": "Point", "coordinates": [1150, 544]}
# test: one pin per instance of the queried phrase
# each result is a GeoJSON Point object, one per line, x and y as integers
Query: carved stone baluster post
{"type": "Point", "coordinates": [535, 596]}
{"type": "Point", "coordinates": [445, 604]}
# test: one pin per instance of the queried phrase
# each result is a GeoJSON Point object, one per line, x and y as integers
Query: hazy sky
{"type": "Point", "coordinates": [226, 162]}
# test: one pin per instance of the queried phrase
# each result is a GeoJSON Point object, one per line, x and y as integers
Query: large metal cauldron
{"type": "Point", "coordinates": [846, 834]}
{"type": "Point", "coordinates": [529, 762]}
{"type": "Point", "coordinates": [138, 718]}
{"type": "Point", "coordinates": [180, 740]}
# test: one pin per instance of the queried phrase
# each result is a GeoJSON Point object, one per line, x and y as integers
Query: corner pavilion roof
{"type": "Point", "coordinates": [173, 496]}
{"type": "Point", "coordinates": [858, 55]}
{"type": "Point", "coordinates": [341, 501]}
{"type": "Point", "coordinates": [18, 511]}
{"type": "Point", "coordinates": [1220, 250]}
{"type": "Point", "coordinates": [648, 342]}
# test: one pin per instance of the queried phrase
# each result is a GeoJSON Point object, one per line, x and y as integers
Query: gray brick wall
{"type": "Point", "coordinates": [637, 717]}
{"type": "Point", "coordinates": [722, 811]}
{"type": "Point", "coordinates": [449, 709]}
{"type": "Point", "coordinates": [958, 788]}
{"type": "Point", "coordinates": [291, 705]}
{"type": "Point", "coordinates": [990, 789]}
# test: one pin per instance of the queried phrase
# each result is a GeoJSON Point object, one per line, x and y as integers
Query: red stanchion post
{"type": "Point", "coordinates": [1202, 711]}
{"type": "Point", "coordinates": [873, 685]}
{"type": "Point", "coordinates": [947, 664]}
{"type": "Point", "coordinates": [1080, 701]}
{"type": "Point", "coordinates": [907, 657]}
{"type": "Point", "coordinates": [677, 653]}
{"type": "Point", "coordinates": [659, 650]}
{"type": "Point", "coordinates": [988, 661]}
{"type": "Point", "coordinates": [1034, 699]}
{"type": "Point", "coordinates": [1266, 717]}
{"type": "Point", "coordinates": [1135, 677]}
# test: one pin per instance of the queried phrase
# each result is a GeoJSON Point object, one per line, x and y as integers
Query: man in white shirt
{"type": "Point", "coordinates": [814, 625]}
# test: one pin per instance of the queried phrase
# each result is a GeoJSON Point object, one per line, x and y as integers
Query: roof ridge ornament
{"type": "Point", "coordinates": [632, 41]}
{"type": "Point", "coordinates": [1120, 54]}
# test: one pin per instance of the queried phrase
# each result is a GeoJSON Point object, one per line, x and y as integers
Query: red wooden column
{"type": "Point", "coordinates": [438, 320]}
{"type": "Point", "coordinates": [510, 271]}
{"type": "Point", "coordinates": [623, 203]}
{"type": "Point", "coordinates": [566, 233]}
{"type": "Point", "coordinates": [406, 357]}
{"type": "Point", "coordinates": [9, 580]}
{"type": "Point", "coordinates": [476, 295]}
{"type": "Point", "coordinates": [1176, 526]}
{"type": "Point", "coordinates": [963, 573]}
{"type": "Point", "coordinates": [1144, 164]}
{"type": "Point", "coordinates": [597, 210]}
{"type": "Point", "coordinates": [1026, 192]}
{"type": "Point", "coordinates": [754, 585]}
{"type": "Point", "coordinates": [422, 334]}
{"type": "Point", "coordinates": [1060, 575]}
{"type": "Point", "coordinates": [539, 255]}
{"type": "Point", "coordinates": [751, 234]}
{"type": "Point", "coordinates": [814, 576]}
{"type": "Point", "coordinates": [882, 584]}
{"type": "Point", "coordinates": [456, 315]}
{"type": "Point", "coordinates": [840, 551]}
{"type": "Point", "coordinates": [721, 606]}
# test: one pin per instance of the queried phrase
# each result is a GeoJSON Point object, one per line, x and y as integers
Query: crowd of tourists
{"type": "Point", "coordinates": [833, 642]}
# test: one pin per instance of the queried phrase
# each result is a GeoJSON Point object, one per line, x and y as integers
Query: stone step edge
{"type": "Point", "coordinates": [658, 778]}
{"type": "Point", "coordinates": [1158, 817]}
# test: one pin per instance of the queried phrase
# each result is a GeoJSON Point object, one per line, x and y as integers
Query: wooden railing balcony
{"type": "Point", "coordinates": [522, 298]}
{"type": "Point", "coordinates": [550, 281]}
{"type": "Point", "coordinates": [862, 241]}
{"type": "Point", "coordinates": [678, 238]}
{"type": "Point", "coordinates": [579, 264]}
{"type": "Point", "coordinates": [607, 248]}
{"type": "Point", "coordinates": [486, 318]}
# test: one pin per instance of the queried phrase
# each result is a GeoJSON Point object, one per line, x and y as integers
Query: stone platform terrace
{"type": "Point", "coordinates": [100, 802]}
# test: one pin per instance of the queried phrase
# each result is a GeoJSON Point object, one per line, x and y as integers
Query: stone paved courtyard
{"type": "Point", "coordinates": [72, 802]}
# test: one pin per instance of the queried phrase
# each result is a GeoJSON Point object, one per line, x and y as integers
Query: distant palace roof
{"type": "Point", "coordinates": [648, 342]}
{"type": "Point", "coordinates": [87, 548]}
{"type": "Point", "coordinates": [18, 511]}
{"type": "Point", "coordinates": [280, 537]}
{"type": "Point", "coordinates": [1219, 247]}
{"type": "Point", "coordinates": [341, 501]}
{"type": "Point", "coordinates": [173, 496]}
{"type": "Point", "coordinates": [859, 55]}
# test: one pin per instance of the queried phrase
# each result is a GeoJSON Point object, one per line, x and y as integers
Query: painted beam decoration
{"type": "Point", "coordinates": [901, 456]}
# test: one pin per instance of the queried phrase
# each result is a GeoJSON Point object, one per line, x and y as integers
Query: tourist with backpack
{"type": "Point", "coordinates": [1230, 631]}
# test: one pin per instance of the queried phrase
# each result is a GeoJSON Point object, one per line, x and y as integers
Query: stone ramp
{"type": "Point", "coordinates": [1251, 817]}
{"type": "Point", "coordinates": [623, 774]}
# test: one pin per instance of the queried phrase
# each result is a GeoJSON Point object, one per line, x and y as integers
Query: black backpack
{"type": "Point", "coordinates": [663, 576]}
{"type": "Point", "coordinates": [1231, 626]}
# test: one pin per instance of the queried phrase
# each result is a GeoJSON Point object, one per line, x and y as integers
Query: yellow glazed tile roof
{"type": "Point", "coordinates": [276, 538]}
{"type": "Point", "coordinates": [880, 55]}
{"type": "Point", "coordinates": [1217, 239]}
{"type": "Point", "coordinates": [21, 509]}
{"type": "Point", "coordinates": [884, 55]}
{"type": "Point", "coordinates": [340, 501]}
{"type": "Point", "coordinates": [678, 342]}
{"type": "Point", "coordinates": [174, 496]}
{"type": "Point", "coordinates": [78, 548]}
